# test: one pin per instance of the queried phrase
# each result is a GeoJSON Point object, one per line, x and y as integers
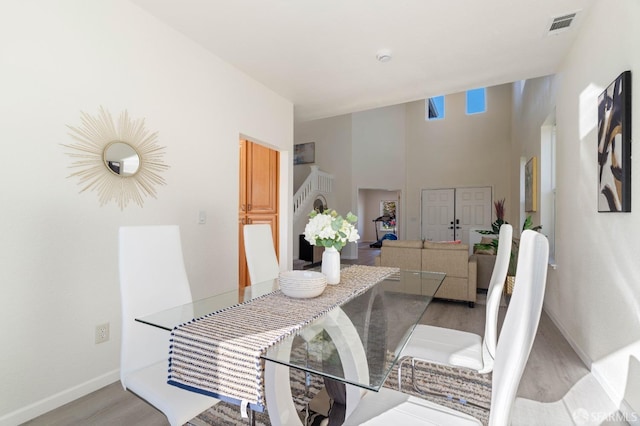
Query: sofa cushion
{"type": "Point", "coordinates": [454, 262]}
{"type": "Point", "coordinates": [445, 246]}
{"type": "Point", "coordinates": [403, 256]}
{"type": "Point", "coordinates": [414, 244]}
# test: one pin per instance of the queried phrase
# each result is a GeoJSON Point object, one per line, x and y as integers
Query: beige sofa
{"type": "Point", "coordinates": [452, 259]}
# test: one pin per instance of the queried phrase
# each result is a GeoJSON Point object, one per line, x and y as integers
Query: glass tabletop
{"type": "Point", "coordinates": [170, 318]}
{"type": "Point", "coordinates": [374, 327]}
{"type": "Point", "coordinates": [378, 324]}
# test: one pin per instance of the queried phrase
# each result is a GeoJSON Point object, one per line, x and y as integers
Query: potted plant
{"type": "Point", "coordinates": [515, 244]}
{"type": "Point", "coordinates": [492, 246]}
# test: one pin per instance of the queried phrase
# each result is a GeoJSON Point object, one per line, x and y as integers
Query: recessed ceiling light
{"type": "Point", "coordinates": [383, 55]}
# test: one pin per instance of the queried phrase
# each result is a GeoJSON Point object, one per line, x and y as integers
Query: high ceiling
{"type": "Point", "coordinates": [321, 54]}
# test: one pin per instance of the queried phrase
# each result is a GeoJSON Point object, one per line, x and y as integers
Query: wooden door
{"type": "Point", "coordinates": [242, 200]}
{"type": "Point", "coordinates": [258, 196]}
{"type": "Point", "coordinates": [262, 180]}
{"type": "Point", "coordinates": [243, 276]}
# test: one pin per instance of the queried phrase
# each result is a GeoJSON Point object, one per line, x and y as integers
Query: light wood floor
{"type": "Point", "coordinates": [552, 371]}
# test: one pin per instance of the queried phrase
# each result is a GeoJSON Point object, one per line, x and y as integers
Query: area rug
{"type": "Point", "coordinates": [460, 389]}
{"type": "Point", "coordinates": [224, 414]}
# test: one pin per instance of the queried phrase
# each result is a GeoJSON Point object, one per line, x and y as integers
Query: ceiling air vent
{"type": "Point", "coordinates": [561, 23]}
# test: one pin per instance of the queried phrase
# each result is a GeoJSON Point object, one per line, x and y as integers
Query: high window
{"type": "Point", "coordinates": [434, 108]}
{"type": "Point", "coordinates": [476, 101]}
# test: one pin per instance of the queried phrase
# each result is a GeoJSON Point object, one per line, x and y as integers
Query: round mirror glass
{"type": "Point", "coordinates": [121, 159]}
{"type": "Point", "coordinates": [320, 204]}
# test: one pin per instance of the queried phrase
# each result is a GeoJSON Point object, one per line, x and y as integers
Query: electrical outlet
{"type": "Point", "coordinates": [102, 333]}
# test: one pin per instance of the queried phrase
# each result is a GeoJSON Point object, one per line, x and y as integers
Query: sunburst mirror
{"type": "Point", "coordinates": [121, 161]}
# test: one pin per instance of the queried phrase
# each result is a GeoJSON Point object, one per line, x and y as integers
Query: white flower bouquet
{"type": "Point", "coordinates": [328, 229]}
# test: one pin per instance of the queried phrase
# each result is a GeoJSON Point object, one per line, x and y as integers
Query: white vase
{"type": "Point", "coordinates": [331, 265]}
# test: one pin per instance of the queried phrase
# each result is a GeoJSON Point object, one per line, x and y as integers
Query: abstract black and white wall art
{"type": "Point", "coordinates": [614, 146]}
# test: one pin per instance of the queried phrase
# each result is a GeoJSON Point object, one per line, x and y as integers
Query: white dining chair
{"type": "Point", "coordinates": [391, 407]}
{"type": "Point", "coordinates": [153, 278]}
{"type": "Point", "coordinates": [460, 348]}
{"type": "Point", "coordinates": [260, 252]}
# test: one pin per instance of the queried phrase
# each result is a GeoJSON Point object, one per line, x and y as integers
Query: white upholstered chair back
{"type": "Point", "coordinates": [520, 325]}
{"type": "Point", "coordinates": [260, 253]}
{"type": "Point", "coordinates": [494, 296]}
{"type": "Point", "coordinates": [152, 278]}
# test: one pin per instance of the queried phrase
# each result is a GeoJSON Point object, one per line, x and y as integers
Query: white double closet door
{"type": "Point", "coordinates": [448, 214]}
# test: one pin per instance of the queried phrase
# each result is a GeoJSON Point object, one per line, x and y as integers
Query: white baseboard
{"type": "Point", "coordinates": [581, 354]}
{"type": "Point", "coordinates": [628, 413]}
{"type": "Point", "coordinates": [52, 402]}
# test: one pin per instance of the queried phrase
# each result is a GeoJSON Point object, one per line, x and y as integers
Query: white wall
{"type": "Point", "coordinates": [332, 137]}
{"type": "Point", "coordinates": [58, 256]}
{"type": "Point", "coordinates": [459, 151]}
{"type": "Point", "coordinates": [378, 148]}
{"type": "Point", "coordinates": [533, 102]}
{"type": "Point", "coordinates": [594, 295]}
{"type": "Point", "coordinates": [379, 157]}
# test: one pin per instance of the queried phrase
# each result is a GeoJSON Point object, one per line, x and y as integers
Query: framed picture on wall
{"type": "Point", "coordinates": [530, 185]}
{"type": "Point", "coordinates": [614, 146]}
{"type": "Point", "coordinates": [304, 153]}
{"type": "Point", "coordinates": [388, 211]}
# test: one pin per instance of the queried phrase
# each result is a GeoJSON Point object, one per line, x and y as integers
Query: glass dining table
{"type": "Point", "coordinates": [356, 343]}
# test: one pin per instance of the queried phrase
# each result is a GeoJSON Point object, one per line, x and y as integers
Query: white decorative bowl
{"type": "Point", "coordinates": [302, 284]}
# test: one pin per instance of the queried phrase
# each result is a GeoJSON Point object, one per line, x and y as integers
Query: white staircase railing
{"type": "Point", "coordinates": [317, 182]}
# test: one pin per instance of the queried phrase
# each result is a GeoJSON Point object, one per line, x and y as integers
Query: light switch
{"type": "Point", "coordinates": [202, 217]}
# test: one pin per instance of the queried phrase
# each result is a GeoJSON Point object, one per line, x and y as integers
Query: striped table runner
{"type": "Point", "coordinates": [219, 354]}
